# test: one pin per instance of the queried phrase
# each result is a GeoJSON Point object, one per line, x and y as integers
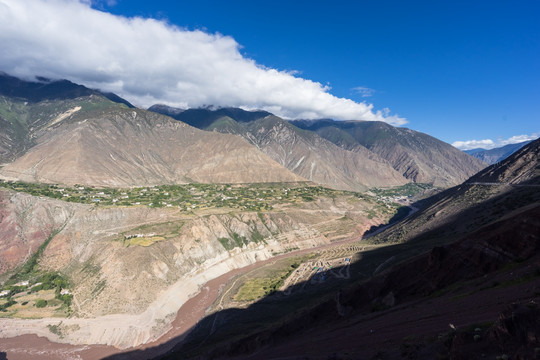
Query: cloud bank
{"type": "Point", "coordinates": [149, 61]}
{"type": "Point", "coordinates": [491, 144]}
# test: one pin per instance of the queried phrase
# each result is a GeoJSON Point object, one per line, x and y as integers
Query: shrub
{"type": "Point", "coordinates": [40, 303]}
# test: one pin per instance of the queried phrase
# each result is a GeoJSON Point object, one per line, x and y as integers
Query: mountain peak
{"type": "Point", "coordinates": [48, 89]}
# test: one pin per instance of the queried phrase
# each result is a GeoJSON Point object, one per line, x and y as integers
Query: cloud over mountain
{"type": "Point", "coordinates": [150, 61]}
{"type": "Point", "coordinates": [491, 144]}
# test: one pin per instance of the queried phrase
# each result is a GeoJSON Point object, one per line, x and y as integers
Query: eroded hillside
{"type": "Point", "coordinates": [135, 264]}
{"type": "Point", "coordinates": [436, 285]}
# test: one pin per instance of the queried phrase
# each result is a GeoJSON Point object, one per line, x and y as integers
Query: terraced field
{"type": "Point", "coordinates": [293, 273]}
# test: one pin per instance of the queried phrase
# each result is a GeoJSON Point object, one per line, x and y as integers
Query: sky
{"type": "Point", "coordinates": [466, 72]}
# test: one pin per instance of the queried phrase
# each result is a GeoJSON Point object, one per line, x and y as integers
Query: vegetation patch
{"type": "Point", "coordinates": [407, 190]}
{"type": "Point", "coordinates": [268, 283]}
{"type": "Point", "coordinates": [256, 236]}
{"type": "Point", "coordinates": [29, 281]}
{"type": "Point", "coordinates": [56, 329]}
{"type": "Point", "coordinates": [40, 303]}
{"type": "Point", "coordinates": [248, 197]}
{"type": "Point", "coordinates": [143, 241]}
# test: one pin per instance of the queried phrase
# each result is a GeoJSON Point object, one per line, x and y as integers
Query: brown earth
{"type": "Point", "coordinates": [115, 285]}
{"type": "Point", "coordinates": [485, 242]}
{"type": "Point", "coordinates": [128, 147]}
{"type": "Point", "coordinates": [25, 223]}
{"type": "Point", "coordinates": [19, 348]}
{"type": "Point", "coordinates": [417, 156]}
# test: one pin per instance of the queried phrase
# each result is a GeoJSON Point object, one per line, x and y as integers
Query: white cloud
{"type": "Point", "coordinates": [519, 138]}
{"type": "Point", "coordinates": [491, 144]}
{"type": "Point", "coordinates": [364, 91]}
{"type": "Point", "coordinates": [149, 61]}
{"type": "Point", "coordinates": [473, 144]}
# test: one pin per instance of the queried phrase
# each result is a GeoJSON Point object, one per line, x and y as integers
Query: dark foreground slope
{"type": "Point", "coordinates": [303, 152]}
{"type": "Point", "coordinates": [461, 280]}
{"type": "Point", "coordinates": [417, 156]}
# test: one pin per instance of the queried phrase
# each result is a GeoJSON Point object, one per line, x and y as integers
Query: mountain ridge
{"type": "Point", "coordinates": [47, 89]}
{"type": "Point", "coordinates": [461, 260]}
{"type": "Point", "coordinates": [302, 152]}
{"type": "Point", "coordinates": [112, 145]}
{"type": "Point", "coordinates": [417, 156]}
{"type": "Point", "coordinates": [491, 156]}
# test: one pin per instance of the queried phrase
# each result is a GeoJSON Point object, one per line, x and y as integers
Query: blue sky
{"type": "Point", "coordinates": [461, 71]}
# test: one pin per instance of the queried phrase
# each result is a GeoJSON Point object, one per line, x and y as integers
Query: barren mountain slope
{"type": "Point", "coordinates": [303, 152]}
{"type": "Point", "coordinates": [25, 223]}
{"type": "Point", "coordinates": [318, 160]}
{"type": "Point", "coordinates": [476, 298]}
{"type": "Point", "coordinates": [522, 167]}
{"type": "Point", "coordinates": [482, 199]}
{"type": "Point", "coordinates": [116, 146]}
{"type": "Point", "coordinates": [419, 157]}
{"type": "Point", "coordinates": [28, 106]}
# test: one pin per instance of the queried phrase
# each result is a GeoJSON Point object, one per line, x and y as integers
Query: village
{"type": "Point", "coordinates": [188, 197]}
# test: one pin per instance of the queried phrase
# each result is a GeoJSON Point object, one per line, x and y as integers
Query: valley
{"type": "Point", "coordinates": [208, 233]}
{"type": "Point", "coordinates": [411, 281]}
{"type": "Point", "coordinates": [173, 250]}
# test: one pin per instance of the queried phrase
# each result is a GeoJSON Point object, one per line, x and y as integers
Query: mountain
{"type": "Point", "coordinates": [520, 168]}
{"type": "Point", "coordinates": [417, 156]}
{"type": "Point", "coordinates": [202, 118]}
{"type": "Point", "coordinates": [60, 132]}
{"type": "Point", "coordinates": [492, 156]}
{"type": "Point", "coordinates": [303, 152]}
{"type": "Point", "coordinates": [47, 89]}
{"type": "Point", "coordinates": [28, 106]}
{"type": "Point", "coordinates": [457, 279]}
{"type": "Point", "coordinates": [117, 146]}
{"type": "Point", "coordinates": [132, 265]}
